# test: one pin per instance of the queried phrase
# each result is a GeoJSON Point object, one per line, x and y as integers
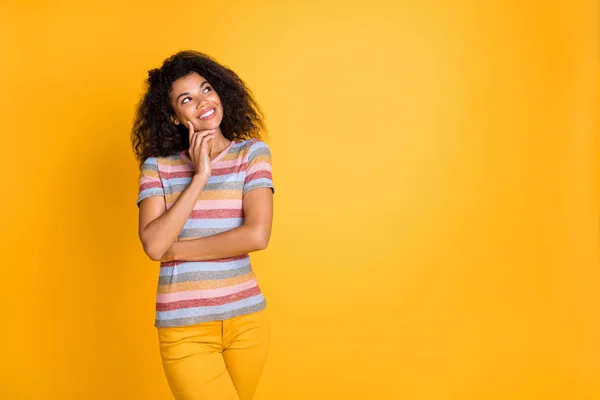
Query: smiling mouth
{"type": "Point", "coordinates": [208, 114]}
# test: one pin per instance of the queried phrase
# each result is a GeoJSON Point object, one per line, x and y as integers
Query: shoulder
{"type": "Point", "coordinates": [252, 144]}
{"type": "Point", "coordinates": [150, 163]}
{"type": "Point", "coordinates": [249, 149]}
{"type": "Point", "coordinates": [255, 147]}
{"type": "Point", "coordinates": [156, 163]}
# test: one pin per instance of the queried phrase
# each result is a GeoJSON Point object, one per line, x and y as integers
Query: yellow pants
{"type": "Point", "coordinates": [215, 360]}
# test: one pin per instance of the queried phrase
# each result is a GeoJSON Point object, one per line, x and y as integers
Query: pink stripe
{"type": "Point", "coordinates": [212, 301]}
{"type": "Point", "coordinates": [214, 204]}
{"type": "Point", "coordinates": [217, 204]}
{"type": "Point", "coordinates": [218, 171]}
{"type": "Point", "coordinates": [258, 174]}
{"type": "Point", "coordinates": [146, 179]}
{"type": "Point", "coordinates": [260, 166]}
{"type": "Point", "coordinates": [175, 168]}
{"type": "Point", "coordinates": [227, 163]}
{"type": "Point", "coordinates": [150, 185]}
{"type": "Point", "coordinates": [176, 174]}
{"type": "Point", "coordinates": [205, 294]}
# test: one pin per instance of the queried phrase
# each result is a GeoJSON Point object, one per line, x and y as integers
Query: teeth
{"type": "Point", "coordinates": [206, 114]}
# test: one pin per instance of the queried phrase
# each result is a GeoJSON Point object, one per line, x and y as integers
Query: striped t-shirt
{"type": "Point", "coordinates": [191, 292]}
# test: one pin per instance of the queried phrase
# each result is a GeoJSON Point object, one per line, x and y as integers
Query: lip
{"type": "Point", "coordinates": [210, 116]}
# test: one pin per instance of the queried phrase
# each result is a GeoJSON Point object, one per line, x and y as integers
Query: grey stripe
{"type": "Point", "coordinates": [227, 185]}
{"type": "Point", "coordinates": [211, 317]}
{"type": "Point", "coordinates": [256, 185]}
{"type": "Point", "coordinates": [263, 151]}
{"type": "Point", "coordinates": [149, 193]}
{"type": "Point", "coordinates": [204, 275]}
{"type": "Point", "coordinates": [169, 189]}
{"type": "Point", "coordinates": [202, 232]}
{"type": "Point", "coordinates": [244, 145]}
{"type": "Point", "coordinates": [150, 166]}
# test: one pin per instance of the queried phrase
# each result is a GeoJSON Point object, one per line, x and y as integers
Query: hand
{"type": "Point", "coordinates": [199, 152]}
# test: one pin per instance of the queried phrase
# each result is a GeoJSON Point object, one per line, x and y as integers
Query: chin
{"type": "Point", "coordinates": [213, 124]}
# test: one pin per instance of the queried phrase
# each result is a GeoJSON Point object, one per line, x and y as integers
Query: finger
{"type": "Point", "coordinates": [193, 140]}
{"type": "Point", "coordinates": [190, 128]}
{"type": "Point", "coordinates": [191, 136]}
{"type": "Point", "coordinates": [200, 140]}
{"type": "Point", "coordinates": [207, 137]}
{"type": "Point", "coordinates": [201, 136]}
{"type": "Point", "coordinates": [204, 143]}
{"type": "Point", "coordinates": [206, 132]}
{"type": "Point", "coordinates": [197, 143]}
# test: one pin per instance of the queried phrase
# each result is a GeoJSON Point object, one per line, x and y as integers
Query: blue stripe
{"type": "Point", "coordinates": [205, 310]}
{"type": "Point", "coordinates": [149, 193]}
{"type": "Point", "coordinates": [151, 163]}
{"type": "Point", "coordinates": [233, 177]}
{"type": "Point", "coordinates": [178, 181]}
{"type": "Point", "coordinates": [222, 223]}
{"type": "Point", "coordinates": [228, 177]}
{"type": "Point", "coordinates": [204, 266]}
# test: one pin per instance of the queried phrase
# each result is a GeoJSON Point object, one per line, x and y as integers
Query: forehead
{"type": "Point", "coordinates": [187, 83]}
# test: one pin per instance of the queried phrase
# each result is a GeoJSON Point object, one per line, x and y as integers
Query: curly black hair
{"type": "Point", "coordinates": [155, 135]}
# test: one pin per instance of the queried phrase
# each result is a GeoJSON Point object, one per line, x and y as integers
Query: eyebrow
{"type": "Point", "coordinates": [187, 94]}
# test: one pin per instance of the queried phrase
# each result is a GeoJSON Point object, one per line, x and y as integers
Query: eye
{"type": "Point", "coordinates": [206, 88]}
{"type": "Point", "coordinates": [185, 100]}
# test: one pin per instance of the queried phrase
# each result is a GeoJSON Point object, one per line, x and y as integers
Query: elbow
{"type": "Point", "coordinates": [154, 257]}
{"type": "Point", "coordinates": [261, 245]}
{"type": "Point", "coordinates": [261, 240]}
{"type": "Point", "coordinates": [153, 246]}
{"type": "Point", "coordinates": [152, 251]}
{"type": "Point", "coordinates": [259, 235]}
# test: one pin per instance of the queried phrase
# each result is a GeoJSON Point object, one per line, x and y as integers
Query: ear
{"type": "Point", "coordinates": [175, 120]}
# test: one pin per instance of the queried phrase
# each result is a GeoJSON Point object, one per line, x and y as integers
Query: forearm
{"type": "Point", "coordinates": [160, 234]}
{"type": "Point", "coordinates": [237, 241]}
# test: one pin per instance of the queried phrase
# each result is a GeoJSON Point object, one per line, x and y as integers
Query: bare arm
{"type": "Point", "coordinates": [253, 235]}
{"type": "Point", "coordinates": [158, 227]}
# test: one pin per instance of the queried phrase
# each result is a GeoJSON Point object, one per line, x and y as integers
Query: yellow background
{"type": "Point", "coordinates": [436, 215]}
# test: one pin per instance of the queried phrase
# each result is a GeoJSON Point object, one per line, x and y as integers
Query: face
{"type": "Point", "coordinates": [194, 99]}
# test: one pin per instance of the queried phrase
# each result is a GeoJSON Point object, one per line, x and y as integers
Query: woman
{"type": "Point", "coordinates": [205, 201]}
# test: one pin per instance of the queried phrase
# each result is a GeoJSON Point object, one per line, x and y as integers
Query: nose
{"type": "Point", "coordinates": [201, 103]}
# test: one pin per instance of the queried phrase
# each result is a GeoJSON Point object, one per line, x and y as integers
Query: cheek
{"type": "Point", "coordinates": [175, 111]}
{"type": "Point", "coordinates": [215, 98]}
{"type": "Point", "coordinates": [184, 112]}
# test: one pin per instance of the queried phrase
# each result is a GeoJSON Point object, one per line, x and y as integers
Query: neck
{"type": "Point", "coordinates": [217, 144]}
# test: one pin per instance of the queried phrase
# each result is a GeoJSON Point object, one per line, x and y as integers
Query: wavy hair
{"type": "Point", "coordinates": [155, 135]}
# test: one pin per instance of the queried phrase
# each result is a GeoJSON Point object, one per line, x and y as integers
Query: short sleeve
{"type": "Point", "coordinates": [150, 183]}
{"type": "Point", "coordinates": [259, 171]}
